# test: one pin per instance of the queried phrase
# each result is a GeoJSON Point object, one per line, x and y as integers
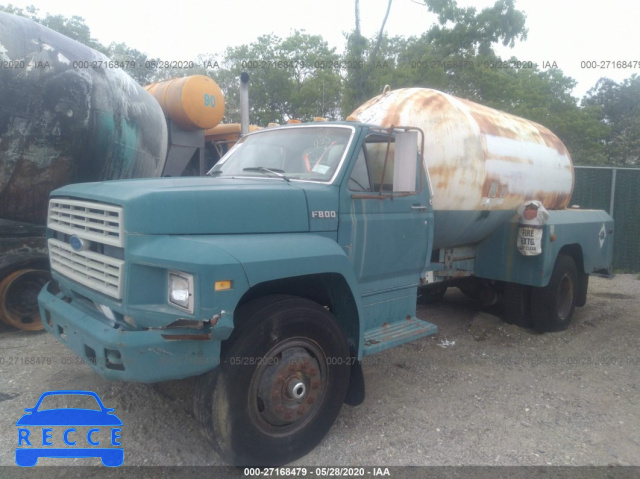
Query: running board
{"type": "Point", "coordinates": [394, 334]}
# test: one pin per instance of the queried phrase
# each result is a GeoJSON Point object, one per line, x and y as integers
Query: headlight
{"type": "Point", "coordinates": [181, 290]}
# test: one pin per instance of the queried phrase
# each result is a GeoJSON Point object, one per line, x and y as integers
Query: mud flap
{"type": "Point", "coordinates": [355, 391]}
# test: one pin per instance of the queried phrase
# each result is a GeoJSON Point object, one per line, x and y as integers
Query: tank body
{"type": "Point", "coordinates": [482, 163]}
{"type": "Point", "coordinates": [194, 102]}
{"type": "Point", "coordinates": [67, 117]}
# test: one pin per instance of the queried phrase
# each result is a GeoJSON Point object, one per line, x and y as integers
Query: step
{"type": "Point", "coordinates": [394, 334]}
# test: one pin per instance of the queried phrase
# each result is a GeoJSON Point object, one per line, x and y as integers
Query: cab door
{"type": "Point", "coordinates": [385, 213]}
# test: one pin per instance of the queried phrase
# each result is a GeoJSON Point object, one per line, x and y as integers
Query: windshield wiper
{"type": "Point", "coordinates": [262, 169]}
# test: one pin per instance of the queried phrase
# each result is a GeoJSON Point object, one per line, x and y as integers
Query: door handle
{"type": "Point", "coordinates": [419, 207]}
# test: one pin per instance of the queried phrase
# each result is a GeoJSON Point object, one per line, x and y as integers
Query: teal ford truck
{"type": "Point", "coordinates": [303, 250]}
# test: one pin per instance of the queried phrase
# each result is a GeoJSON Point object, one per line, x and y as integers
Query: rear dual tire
{"type": "Point", "coordinates": [553, 305]}
{"type": "Point", "coordinates": [549, 308]}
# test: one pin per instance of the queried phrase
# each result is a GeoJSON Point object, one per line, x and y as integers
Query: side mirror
{"type": "Point", "coordinates": [405, 168]}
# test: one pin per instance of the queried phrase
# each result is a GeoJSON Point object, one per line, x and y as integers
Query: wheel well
{"type": "Point", "coordinates": [575, 251]}
{"type": "Point", "coordinates": [329, 290]}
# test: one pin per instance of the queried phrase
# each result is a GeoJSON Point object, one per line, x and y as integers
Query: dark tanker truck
{"type": "Point", "coordinates": [69, 114]}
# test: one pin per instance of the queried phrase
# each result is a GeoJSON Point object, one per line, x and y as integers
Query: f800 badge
{"type": "Point", "coordinates": [323, 214]}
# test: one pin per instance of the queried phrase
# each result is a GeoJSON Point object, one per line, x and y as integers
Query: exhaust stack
{"type": "Point", "coordinates": [244, 103]}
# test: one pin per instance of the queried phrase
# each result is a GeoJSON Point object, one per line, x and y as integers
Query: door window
{"type": "Point", "coordinates": [382, 166]}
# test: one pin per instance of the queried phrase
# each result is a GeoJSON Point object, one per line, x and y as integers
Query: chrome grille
{"type": "Point", "coordinates": [97, 271]}
{"type": "Point", "coordinates": [89, 220]}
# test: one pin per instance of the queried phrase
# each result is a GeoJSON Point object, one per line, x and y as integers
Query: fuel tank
{"type": "Point", "coordinates": [194, 102]}
{"type": "Point", "coordinates": [482, 163]}
{"type": "Point", "coordinates": [67, 115]}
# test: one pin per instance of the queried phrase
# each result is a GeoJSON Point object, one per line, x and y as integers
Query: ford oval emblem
{"type": "Point", "coordinates": [77, 243]}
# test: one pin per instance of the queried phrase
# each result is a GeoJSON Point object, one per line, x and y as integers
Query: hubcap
{"type": "Point", "coordinates": [288, 385]}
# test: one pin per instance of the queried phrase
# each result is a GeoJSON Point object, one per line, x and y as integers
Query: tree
{"type": "Point", "coordinates": [74, 27]}
{"type": "Point", "coordinates": [360, 60]}
{"type": "Point", "coordinates": [296, 77]}
{"type": "Point", "coordinates": [465, 30]}
{"type": "Point", "coordinates": [135, 63]}
{"type": "Point", "coordinates": [619, 108]}
{"type": "Point", "coordinates": [30, 12]}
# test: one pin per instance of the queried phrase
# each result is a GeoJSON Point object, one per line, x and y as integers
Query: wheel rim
{"type": "Point", "coordinates": [288, 387]}
{"type": "Point", "coordinates": [565, 297]}
{"type": "Point", "coordinates": [18, 298]}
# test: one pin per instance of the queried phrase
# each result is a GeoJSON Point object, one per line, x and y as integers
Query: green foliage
{"type": "Point", "coordinates": [544, 97]}
{"type": "Point", "coordinates": [73, 27]}
{"type": "Point", "coordinates": [465, 30]}
{"type": "Point", "coordinates": [439, 59]}
{"type": "Point", "coordinates": [289, 78]}
{"type": "Point", "coordinates": [619, 107]}
{"type": "Point", "coordinates": [356, 87]}
{"type": "Point", "coordinates": [134, 61]}
{"type": "Point", "coordinates": [28, 12]}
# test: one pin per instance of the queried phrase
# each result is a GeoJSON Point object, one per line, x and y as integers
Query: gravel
{"type": "Point", "coordinates": [479, 393]}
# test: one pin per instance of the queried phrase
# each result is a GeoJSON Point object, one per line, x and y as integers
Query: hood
{"type": "Point", "coordinates": [201, 205]}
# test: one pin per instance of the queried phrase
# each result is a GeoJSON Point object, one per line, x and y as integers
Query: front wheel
{"type": "Point", "coordinates": [554, 304]}
{"type": "Point", "coordinates": [281, 384]}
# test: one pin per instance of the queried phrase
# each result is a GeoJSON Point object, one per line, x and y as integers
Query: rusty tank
{"type": "Point", "coordinates": [482, 163]}
{"type": "Point", "coordinates": [67, 114]}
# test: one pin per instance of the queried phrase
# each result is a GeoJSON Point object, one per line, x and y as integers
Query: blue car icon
{"type": "Point", "coordinates": [72, 418]}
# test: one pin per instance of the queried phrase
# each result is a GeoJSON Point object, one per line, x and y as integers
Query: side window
{"type": "Point", "coordinates": [384, 166]}
{"type": "Point", "coordinates": [381, 173]}
{"type": "Point", "coordinates": [359, 179]}
{"type": "Point", "coordinates": [370, 170]}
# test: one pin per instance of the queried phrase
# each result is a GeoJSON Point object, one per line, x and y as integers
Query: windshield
{"type": "Point", "coordinates": [311, 153]}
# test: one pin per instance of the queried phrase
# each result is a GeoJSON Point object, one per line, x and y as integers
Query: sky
{"type": "Point", "coordinates": [566, 33]}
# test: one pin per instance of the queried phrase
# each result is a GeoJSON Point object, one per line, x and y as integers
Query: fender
{"type": "Point", "coordinates": [497, 256]}
{"type": "Point", "coordinates": [267, 258]}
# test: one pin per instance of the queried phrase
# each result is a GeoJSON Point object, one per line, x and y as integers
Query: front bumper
{"type": "Point", "coordinates": [126, 355]}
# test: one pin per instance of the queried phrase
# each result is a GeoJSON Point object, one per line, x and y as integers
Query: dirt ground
{"type": "Point", "coordinates": [481, 392]}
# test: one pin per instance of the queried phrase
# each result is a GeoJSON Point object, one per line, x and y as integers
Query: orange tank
{"type": "Point", "coordinates": [194, 102]}
{"type": "Point", "coordinates": [229, 132]}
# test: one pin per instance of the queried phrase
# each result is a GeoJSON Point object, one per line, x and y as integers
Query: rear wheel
{"type": "Point", "coordinates": [554, 304]}
{"type": "Point", "coordinates": [19, 298]}
{"type": "Point", "coordinates": [481, 291]}
{"type": "Point", "coordinates": [281, 384]}
{"type": "Point", "coordinates": [431, 294]}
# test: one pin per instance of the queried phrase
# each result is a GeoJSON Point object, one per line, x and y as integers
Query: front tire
{"type": "Point", "coordinates": [554, 304]}
{"type": "Point", "coordinates": [281, 383]}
